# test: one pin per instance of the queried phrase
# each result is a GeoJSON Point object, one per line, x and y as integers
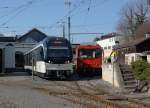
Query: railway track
{"type": "Point", "coordinates": [116, 101]}
{"type": "Point", "coordinates": [95, 97]}
{"type": "Point", "coordinates": [85, 93]}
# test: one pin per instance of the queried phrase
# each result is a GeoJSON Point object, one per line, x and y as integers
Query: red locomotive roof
{"type": "Point", "coordinates": [89, 46]}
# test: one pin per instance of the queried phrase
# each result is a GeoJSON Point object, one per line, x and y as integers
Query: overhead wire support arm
{"type": "Point", "coordinates": [85, 33]}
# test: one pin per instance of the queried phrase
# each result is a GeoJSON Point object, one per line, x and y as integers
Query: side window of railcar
{"type": "Point", "coordinates": [97, 53]}
{"type": "Point", "coordinates": [35, 54]}
{"type": "Point", "coordinates": [26, 59]}
{"type": "Point", "coordinates": [41, 53]}
{"type": "Point", "coordinates": [30, 58]}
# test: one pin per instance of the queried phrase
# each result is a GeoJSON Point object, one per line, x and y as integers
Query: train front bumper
{"type": "Point", "coordinates": [63, 67]}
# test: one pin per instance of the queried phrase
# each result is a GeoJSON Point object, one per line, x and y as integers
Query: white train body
{"type": "Point", "coordinates": [51, 59]}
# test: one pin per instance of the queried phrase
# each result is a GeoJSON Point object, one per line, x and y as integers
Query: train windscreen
{"type": "Point", "coordinates": [59, 51]}
{"type": "Point", "coordinates": [89, 53]}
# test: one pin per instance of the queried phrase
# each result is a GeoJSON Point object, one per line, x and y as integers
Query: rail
{"type": "Point", "coordinates": [92, 96]}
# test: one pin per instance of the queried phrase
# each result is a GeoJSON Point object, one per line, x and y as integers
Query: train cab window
{"type": "Point", "coordinates": [89, 53]}
{"type": "Point", "coordinates": [85, 53]}
{"type": "Point", "coordinates": [97, 53]}
{"type": "Point", "coordinates": [58, 51]}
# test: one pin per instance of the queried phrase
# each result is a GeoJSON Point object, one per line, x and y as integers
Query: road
{"type": "Point", "coordinates": [18, 90]}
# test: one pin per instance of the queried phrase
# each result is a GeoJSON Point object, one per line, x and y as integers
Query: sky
{"type": "Point", "coordinates": [87, 16]}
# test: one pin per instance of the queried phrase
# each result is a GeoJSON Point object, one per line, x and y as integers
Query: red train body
{"type": "Point", "coordinates": [89, 59]}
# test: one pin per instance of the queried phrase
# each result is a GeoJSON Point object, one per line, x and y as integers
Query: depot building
{"type": "Point", "coordinates": [12, 49]}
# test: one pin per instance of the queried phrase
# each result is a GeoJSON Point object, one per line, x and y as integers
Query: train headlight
{"type": "Point", "coordinates": [67, 62]}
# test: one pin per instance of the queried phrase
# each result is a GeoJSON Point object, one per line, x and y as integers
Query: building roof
{"type": "Point", "coordinates": [133, 43]}
{"type": "Point", "coordinates": [89, 43]}
{"type": "Point", "coordinates": [35, 34]}
{"type": "Point", "coordinates": [7, 39]}
{"type": "Point", "coordinates": [107, 36]}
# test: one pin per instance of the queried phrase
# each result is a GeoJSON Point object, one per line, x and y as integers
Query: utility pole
{"type": "Point", "coordinates": [148, 2]}
{"type": "Point", "coordinates": [63, 28]}
{"type": "Point", "coordinates": [63, 25]}
{"type": "Point", "coordinates": [69, 28]}
{"type": "Point", "coordinates": [68, 3]}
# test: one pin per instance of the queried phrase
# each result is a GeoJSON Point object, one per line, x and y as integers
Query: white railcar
{"type": "Point", "coordinates": [52, 58]}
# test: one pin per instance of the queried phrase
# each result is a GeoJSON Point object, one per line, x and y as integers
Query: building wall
{"type": "Point", "coordinates": [23, 47]}
{"type": "Point", "coordinates": [107, 45]}
{"type": "Point", "coordinates": [11, 46]}
{"type": "Point", "coordinates": [9, 57]}
{"type": "Point", "coordinates": [132, 57]}
{"type": "Point", "coordinates": [1, 59]}
{"type": "Point", "coordinates": [9, 50]}
{"type": "Point", "coordinates": [29, 40]}
{"type": "Point", "coordinates": [112, 74]}
{"type": "Point", "coordinates": [143, 46]}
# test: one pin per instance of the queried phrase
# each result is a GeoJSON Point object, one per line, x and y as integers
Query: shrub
{"type": "Point", "coordinates": [141, 70]}
{"type": "Point", "coordinates": [146, 74]}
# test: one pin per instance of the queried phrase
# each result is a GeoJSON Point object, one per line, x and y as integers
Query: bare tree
{"type": "Point", "coordinates": [133, 14]}
{"type": "Point", "coordinates": [142, 12]}
{"type": "Point", "coordinates": [96, 39]}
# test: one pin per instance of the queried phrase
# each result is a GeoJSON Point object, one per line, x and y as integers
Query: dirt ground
{"type": "Point", "coordinates": [18, 90]}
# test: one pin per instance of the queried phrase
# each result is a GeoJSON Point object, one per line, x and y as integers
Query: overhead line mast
{"type": "Point", "coordinates": [148, 2]}
{"type": "Point", "coordinates": [68, 3]}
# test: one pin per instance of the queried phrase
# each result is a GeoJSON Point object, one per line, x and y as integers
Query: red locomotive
{"type": "Point", "coordinates": [89, 59]}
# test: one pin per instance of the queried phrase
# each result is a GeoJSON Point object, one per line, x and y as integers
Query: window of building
{"type": "Point", "coordinates": [109, 47]}
{"type": "Point", "coordinates": [110, 40]}
{"type": "Point", "coordinates": [105, 48]}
